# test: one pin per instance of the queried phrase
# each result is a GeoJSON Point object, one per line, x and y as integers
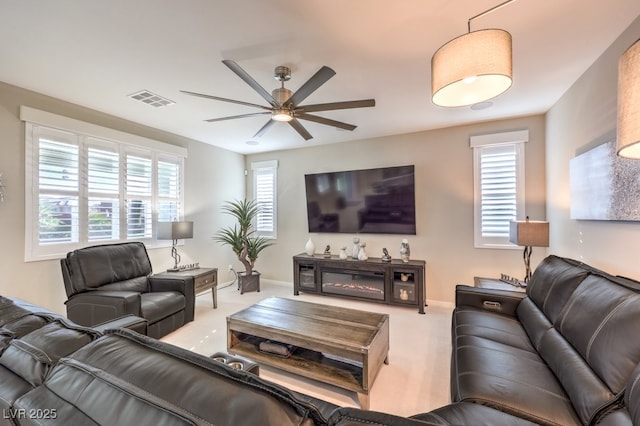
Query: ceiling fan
{"type": "Point", "coordinates": [284, 104]}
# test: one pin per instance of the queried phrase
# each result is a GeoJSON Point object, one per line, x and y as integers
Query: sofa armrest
{"type": "Point", "coordinates": [95, 307]}
{"type": "Point", "coordinates": [132, 322]}
{"type": "Point", "coordinates": [184, 285]}
{"type": "Point", "coordinates": [502, 301]}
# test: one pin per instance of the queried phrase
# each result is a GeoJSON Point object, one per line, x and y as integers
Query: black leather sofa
{"type": "Point", "coordinates": [566, 352]}
{"type": "Point", "coordinates": [110, 281]}
{"type": "Point", "coordinates": [53, 371]}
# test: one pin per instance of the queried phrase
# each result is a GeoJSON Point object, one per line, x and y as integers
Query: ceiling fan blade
{"type": "Point", "coordinates": [264, 128]}
{"type": "Point", "coordinates": [231, 117]}
{"type": "Point", "coordinates": [217, 98]}
{"type": "Point", "coordinates": [317, 80]}
{"type": "Point", "coordinates": [326, 121]}
{"type": "Point", "coordinates": [337, 105]}
{"type": "Point", "coordinates": [251, 82]}
{"type": "Point", "coordinates": [300, 129]}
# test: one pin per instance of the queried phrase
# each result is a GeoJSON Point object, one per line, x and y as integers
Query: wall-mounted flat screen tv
{"type": "Point", "coordinates": [374, 201]}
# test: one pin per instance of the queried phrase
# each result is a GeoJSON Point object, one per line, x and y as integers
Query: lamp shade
{"type": "Point", "coordinates": [529, 233]}
{"type": "Point", "coordinates": [472, 68]}
{"type": "Point", "coordinates": [175, 230]}
{"type": "Point", "coordinates": [628, 135]}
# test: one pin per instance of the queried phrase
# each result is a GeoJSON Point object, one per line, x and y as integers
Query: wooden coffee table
{"type": "Point", "coordinates": [339, 346]}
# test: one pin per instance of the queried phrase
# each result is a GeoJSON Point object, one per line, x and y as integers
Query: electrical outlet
{"type": "Point", "coordinates": [230, 267]}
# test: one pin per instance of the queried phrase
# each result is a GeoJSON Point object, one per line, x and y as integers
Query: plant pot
{"type": "Point", "coordinates": [249, 282]}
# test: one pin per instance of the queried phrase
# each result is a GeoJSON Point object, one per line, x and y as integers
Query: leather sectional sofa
{"type": "Point", "coordinates": [567, 352]}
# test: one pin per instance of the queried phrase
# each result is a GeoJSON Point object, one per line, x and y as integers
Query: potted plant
{"type": "Point", "coordinates": [243, 241]}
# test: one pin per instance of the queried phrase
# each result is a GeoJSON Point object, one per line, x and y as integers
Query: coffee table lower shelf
{"type": "Point", "coordinates": [307, 363]}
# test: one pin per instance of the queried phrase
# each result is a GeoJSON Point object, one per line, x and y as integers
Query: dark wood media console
{"type": "Point", "coordinates": [395, 282]}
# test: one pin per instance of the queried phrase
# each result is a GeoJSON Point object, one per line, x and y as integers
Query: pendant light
{"type": "Point", "coordinates": [472, 68]}
{"type": "Point", "coordinates": [628, 134]}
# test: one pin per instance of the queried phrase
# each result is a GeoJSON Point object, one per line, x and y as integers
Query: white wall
{"type": "Point", "coordinates": [582, 118]}
{"type": "Point", "coordinates": [444, 202]}
{"type": "Point", "coordinates": [212, 176]}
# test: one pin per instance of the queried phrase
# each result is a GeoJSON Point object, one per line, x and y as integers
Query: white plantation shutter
{"type": "Point", "coordinates": [85, 185]}
{"type": "Point", "coordinates": [498, 186]}
{"type": "Point", "coordinates": [58, 155]}
{"type": "Point", "coordinates": [169, 189]}
{"type": "Point", "coordinates": [103, 193]}
{"type": "Point", "coordinates": [264, 193]}
{"type": "Point", "coordinates": [138, 186]}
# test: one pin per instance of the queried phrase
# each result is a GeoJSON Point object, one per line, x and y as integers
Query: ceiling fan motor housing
{"type": "Point", "coordinates": [282, 73]}
{"type": "Point", "coordinates": [281, 95]}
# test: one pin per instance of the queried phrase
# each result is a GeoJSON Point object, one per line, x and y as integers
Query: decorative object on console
{"type": "Point", "coordinates": [628, 133]}
{"type": "Point", "coordinates": [405, 250]}
{"type": "Point", "coordinates": [327, 251]}
{"type": "Point", "coordinates": [310, 247]}
{"type": "Point", "coordinates": [356, 248]}
{"type": "Point", "coordinates": [512, 280]}
{"type": "Point", "coordinates": [242, 239]}
{"type": "Point", "coordinates": [343, 253]}
{"type": "Point", "coordinates": [472, 68]}
{"type": "Point", "coordinates": [404, 295]}
{"type": "Point", "coordinates": [386, 257]}
{"type": "Point", "coordinates": [529, 233]}
{"type": "Point", "coordinates": [175, 231]}
{"type": "Point", "coordinates": [362, 252]}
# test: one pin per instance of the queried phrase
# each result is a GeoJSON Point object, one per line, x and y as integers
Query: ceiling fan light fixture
{"type": "Point", "coordinates": [472, 68]}
{"type": "Point", "coordinates": [281, 114]}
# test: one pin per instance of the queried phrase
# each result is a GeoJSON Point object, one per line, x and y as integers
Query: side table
{"type": "Point", "coordinates": [204, 279]}
{"type": "Point", "coordinates": [496, 284]}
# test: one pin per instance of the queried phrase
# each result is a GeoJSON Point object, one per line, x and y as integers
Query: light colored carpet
{"type": "Point", "coordinates": [415, 381]}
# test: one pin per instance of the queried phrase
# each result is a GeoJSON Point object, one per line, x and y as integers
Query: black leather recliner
{"type": "Point", "coordinates": [110, 281]}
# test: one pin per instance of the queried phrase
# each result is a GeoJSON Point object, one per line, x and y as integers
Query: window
{"type": "Point", "coordinates": [264, 192]}
{"type": "Point", "coordinates": [82, 189]}
{"type": "Point", "coordinates": [498, 186]}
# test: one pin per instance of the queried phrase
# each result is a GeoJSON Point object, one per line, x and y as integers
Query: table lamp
{"type": "Point", "coordinates": [529, 233]}
{"type": "Point", "coordinates": [175, 231]}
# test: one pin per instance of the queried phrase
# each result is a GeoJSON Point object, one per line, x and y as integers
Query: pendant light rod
{"type": "Point", "coordinates": [493, 9]}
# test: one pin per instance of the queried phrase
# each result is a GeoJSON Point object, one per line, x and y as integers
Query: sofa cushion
{"type": "Point", "coordinates": [553, 282]}
{"type": "Point", "coordinates": [156, 306]}
{"type": "Point", "coordinates": [93, 267]}
{"type": "Point", "coordinates": [588, 394]}
{"type": "Point", "coordinates": [626, 413]}
{"type": "Point", "coordinates": [12, 387]}
{"type": "Point", "coordinates": [35, 354]}
{"type": "Point", "coordinates": [78, 394]}
{"type": "Point", "coordinates": [463, 413]}
{"type": "Point", "coordinates": [137, 284]}
{"type": "Point", "coordinates": [533, 321]}
{"type": "Point", "coordinates": [511, 380]}
{"type": "Point", "coordinates": [469, 321]}
{"type": "Point", "coordinates": [598, 320]}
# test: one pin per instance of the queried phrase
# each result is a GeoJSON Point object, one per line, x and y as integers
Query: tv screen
{"type": "Point", "coordinates": [375, 201]}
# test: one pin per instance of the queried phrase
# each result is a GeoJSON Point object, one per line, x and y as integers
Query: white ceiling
{"type": "Point", "coordinates": [95, 53]}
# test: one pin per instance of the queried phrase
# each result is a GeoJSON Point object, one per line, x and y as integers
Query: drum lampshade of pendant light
{"type": "Point", "coordinates": [628, 134]}
{"type": "Point", "coordinates": [472, 68]}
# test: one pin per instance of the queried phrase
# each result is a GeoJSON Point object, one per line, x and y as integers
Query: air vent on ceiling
{"type": "Point", "coordinates": [151, 98]}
